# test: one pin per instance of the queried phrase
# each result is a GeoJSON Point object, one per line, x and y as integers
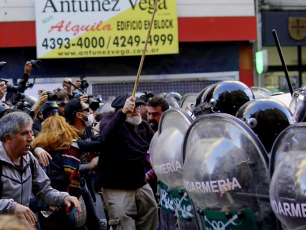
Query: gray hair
{"type": "Point", "coordinates": [10, 123]}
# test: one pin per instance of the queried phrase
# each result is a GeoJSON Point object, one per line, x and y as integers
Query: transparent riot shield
{"type": "Point", "coordinates": [288, 183]}
{"type": "Point", "coordinates": [188, 102]}
{"type": "Point", "coordinates": [226, 174]}
{"type": "Point", "coordinates": [298, 105]}
{"type": "Point", "coordinates": [167, 161]}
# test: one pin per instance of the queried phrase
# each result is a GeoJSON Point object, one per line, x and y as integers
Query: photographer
{"type": "Point", "coordinates": [70, 89]}
{"type": "Point", "coordinates": [15, 93]}
{"type": "Point", "coordinates": [22, 85]}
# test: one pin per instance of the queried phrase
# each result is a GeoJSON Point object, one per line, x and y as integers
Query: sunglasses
{"type": "Point", "coordinates": [62, 104]}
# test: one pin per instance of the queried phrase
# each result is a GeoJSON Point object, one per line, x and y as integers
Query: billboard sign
{"type": "Point", "coordinates": [104, 28]}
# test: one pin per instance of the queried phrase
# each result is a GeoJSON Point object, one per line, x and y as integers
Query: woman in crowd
{"type": "Point", "coordinates": [56, 137]}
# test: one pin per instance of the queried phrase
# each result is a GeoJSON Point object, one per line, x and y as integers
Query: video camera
{"type": "Point", "coordinates": [146, 96]}
{"type": "Point", "coordinates": [93, 103]}
{"type": "Point", "coordinates": [36, 63]}
{"type": "Point", "coordinates": [11, 88]}
{"type": "Point", "coordinates": [51, 96]}
{"type": "Point", "coordinates": [84, 83]}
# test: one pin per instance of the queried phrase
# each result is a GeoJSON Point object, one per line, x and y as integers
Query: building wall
{"type": "Point", "coordinates": [24, 10]}
{"type": "Point", "coordinates": [212, 35]}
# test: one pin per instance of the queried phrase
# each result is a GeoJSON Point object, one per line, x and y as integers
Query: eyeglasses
{"type": "Point", "coordinates": [86, 110]}
{"type": "Point", "coordinates": [62, 104]}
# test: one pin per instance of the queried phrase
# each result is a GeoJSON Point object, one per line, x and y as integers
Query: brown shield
{"type": "Point", "coordinates": [297, 28]}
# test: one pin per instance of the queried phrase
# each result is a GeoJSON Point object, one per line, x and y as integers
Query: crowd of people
{"type": "Point", "coordinates": [59, 151]}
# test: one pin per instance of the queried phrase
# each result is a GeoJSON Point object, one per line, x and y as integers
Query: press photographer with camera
{"type": "Point", "coordinates": [17, 97]}
{"type": "Point", "coordinates": [71, 87]}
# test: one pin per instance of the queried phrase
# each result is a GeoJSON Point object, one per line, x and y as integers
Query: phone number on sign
{"type": "Point", "coordinates": [101, 42]}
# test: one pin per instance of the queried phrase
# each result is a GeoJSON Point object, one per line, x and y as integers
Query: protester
{"type": "Point", "coordinates": [57, 137]}
{"type": "Point", "coordinates": [49, 108]}
{"type": "Point", "coordinates": [61, 100]}
{"type": "Point", "coordinates": [21, 173]}
{"type": "Point", "coordinates": [79, 115]}
{"type": "Point", "coordinates": [127, 197]}
{"type": "Point", "coordinates": [155, 107]}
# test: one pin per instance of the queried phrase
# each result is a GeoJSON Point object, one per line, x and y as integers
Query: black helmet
{"type": "Point", "coordinates": [267, 117]}
{"type": "Point", "coordinates": [202, 95]}
{"type": "Point", "coordinates": [223, 97]}
{"type": "Point", "coordinates": [49, 108]}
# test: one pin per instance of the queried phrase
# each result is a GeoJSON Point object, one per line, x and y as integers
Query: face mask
{"type": "Point", "coordinates": [90, 119]}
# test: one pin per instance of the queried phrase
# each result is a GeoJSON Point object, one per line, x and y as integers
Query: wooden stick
{"type": "Point", "coordinates": [144, 51]}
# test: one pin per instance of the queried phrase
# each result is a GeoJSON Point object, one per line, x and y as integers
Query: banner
{"type": "Point", "coordinates": [104, 28]}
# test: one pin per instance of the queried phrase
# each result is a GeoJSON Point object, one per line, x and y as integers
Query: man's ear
{"type": "Point", "coordinates": [78, 115]}
{"type": "Point", "coordinates": [7, 137]}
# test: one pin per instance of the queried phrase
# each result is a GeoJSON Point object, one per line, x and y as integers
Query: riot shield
{"type": "Point", "coordinates": [226, 174]}
{"type": "Point", "coordinates": [260, 92]}
{"type": "Point", "coordinates": [288, 183]}
{"type": "Point", "coordinates": [298, 105]}
{"type": "Point", "coordinates": [167, 161]}
{"type": "Point", "coordinates": [188, 102]}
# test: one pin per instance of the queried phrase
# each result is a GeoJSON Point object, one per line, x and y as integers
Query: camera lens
{"type": "Point", "coordinates": [84, 83]}
{"type": "Point", "coordinates": [36, 63]}
{"type": "Point", "coordinates": [12, 89]}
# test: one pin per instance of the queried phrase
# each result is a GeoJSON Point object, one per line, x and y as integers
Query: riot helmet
{"type": "Point", "coordinates": [146, 96]}
{"type": "Point", "coordinates": [175, 95]}
{"type": "Point", "coordinates": [267, 117]}
{"type": "Point", "coordinates": [202, 95]}
{"type": "Point", "coordinates": [200, 100]}
{"type": "Point", "coordinates": [50, 108]}
{"type": "Point", "coordinates": [224, 97]}
{"type": "Point", "coordinates": [3, 109]}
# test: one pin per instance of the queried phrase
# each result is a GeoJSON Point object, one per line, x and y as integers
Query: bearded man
{"type": "Point", "coordinates": [125, 138]}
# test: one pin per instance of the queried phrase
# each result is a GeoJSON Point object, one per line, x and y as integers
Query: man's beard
{"type": "Point", "coordinates": [154, 125]}
{"type": "Point", "coordinates": [134, 119]}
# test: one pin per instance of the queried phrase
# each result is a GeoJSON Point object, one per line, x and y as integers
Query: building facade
{"type": "Point", "coordinates": [217, 40]}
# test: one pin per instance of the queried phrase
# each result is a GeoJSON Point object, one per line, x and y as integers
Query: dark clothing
{"type": "Point", "coordinates": [36, 126]}
{"type": "Point", "coordinates": [123, 160]}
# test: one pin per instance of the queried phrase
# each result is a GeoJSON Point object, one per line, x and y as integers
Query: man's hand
{"type": "Point", "coordinates": [84, 98]}
{"type": "Point", "coordinates": [54, 208]}
{"type": "Point", "coordinates": [94, 163]}
{"type": "Point", "coordinates": [96, 129]}
{"type": "Point", "coordinates": [42, 156]}
{"type": "Point", "coordinates": [26, 213]}
{"type": "Point", "coordinates": [67, 86]}
{"type": "Point", "coordinates": [43, 97]}
{"type": "Point", "coordinates": [129, 105]}
{"type": "Point", "coordinates": [28, 68]}
{"type": "Point", "coordinates": [72, 200]}
{"type": "Point", "coordinates": [2, 89]}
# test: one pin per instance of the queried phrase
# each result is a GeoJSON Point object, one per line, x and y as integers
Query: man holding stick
{"type": "Point", "coordinates": [127, 197]}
